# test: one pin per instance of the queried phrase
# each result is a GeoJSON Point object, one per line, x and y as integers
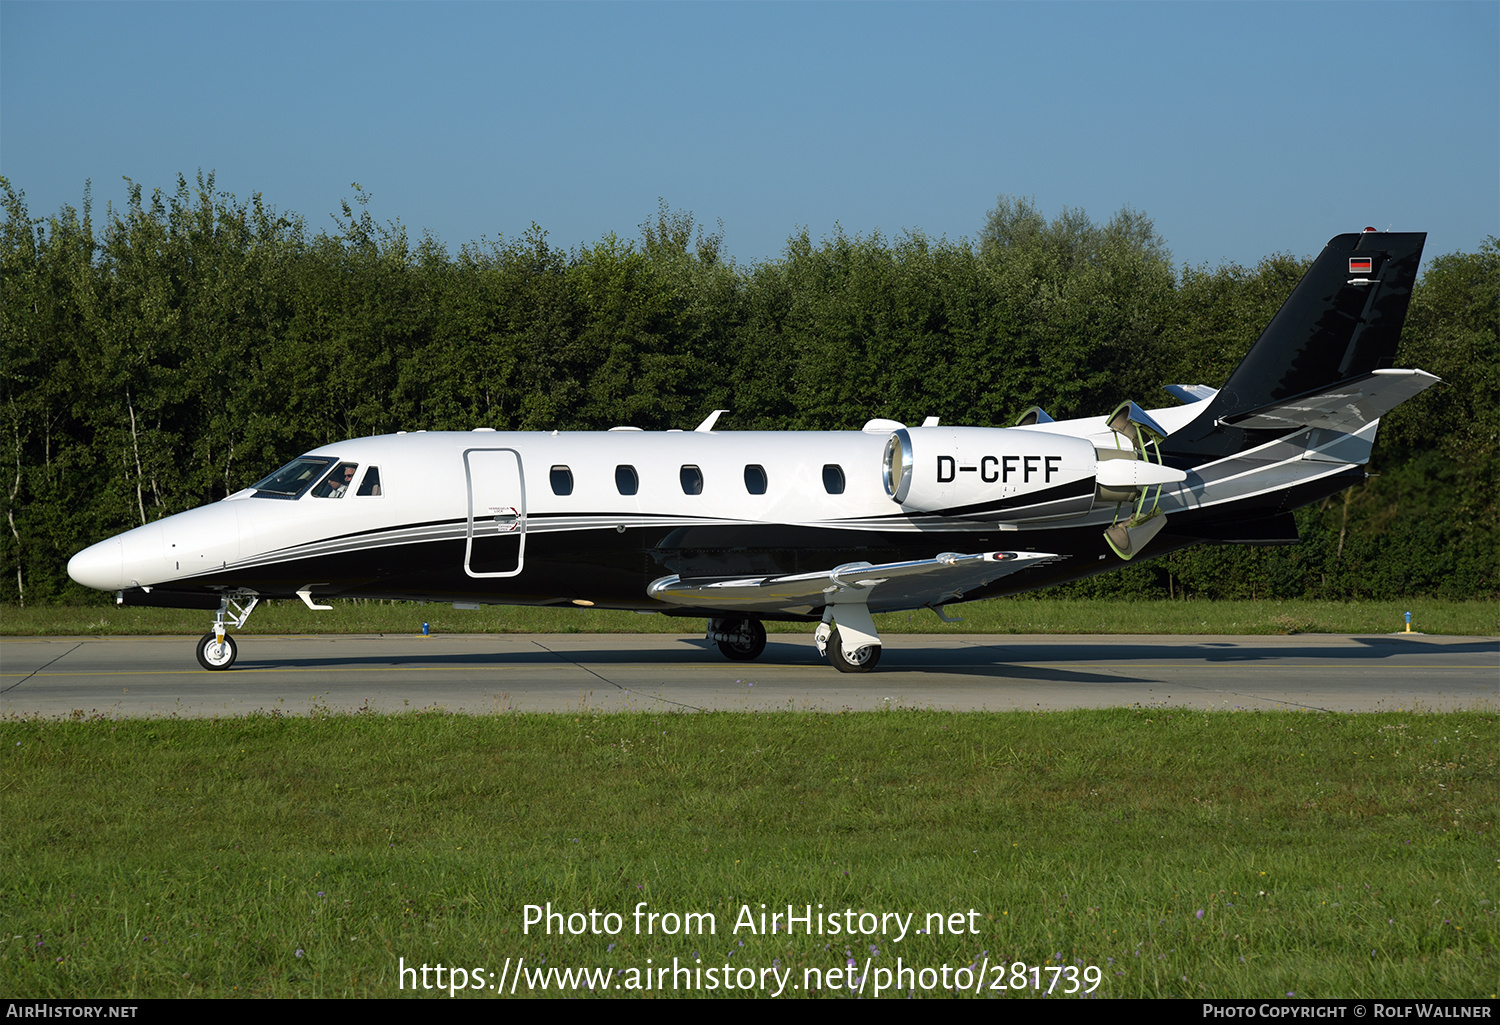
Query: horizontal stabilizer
{"type": "Point", "coordinates": [888, 587]}
{"type": "Point", "coordinates": [1347, 407]}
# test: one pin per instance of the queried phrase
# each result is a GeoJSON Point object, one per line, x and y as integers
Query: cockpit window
{"type": "Point", "coordinates": [337, 483]}
{"type": "Point", "coordinates": [293, 479]}
{"type": "Point", "coordinates": [371, 484]}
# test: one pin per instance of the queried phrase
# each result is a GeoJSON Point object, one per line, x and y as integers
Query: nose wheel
{"type": "Point", "coordinates": [214, 653]}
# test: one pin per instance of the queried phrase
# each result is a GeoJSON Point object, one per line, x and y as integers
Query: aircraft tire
{"type": "Point", "coordinates": [214, 657]}
{"type": "Point", "coordinates": [745, 651]}
{"type": "Point", "coordinates": [864, 660]}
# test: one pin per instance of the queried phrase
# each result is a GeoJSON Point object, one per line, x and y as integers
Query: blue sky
{"type": "Point", "coordinates": [1242, 129]}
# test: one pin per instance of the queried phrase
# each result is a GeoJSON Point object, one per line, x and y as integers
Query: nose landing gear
{"type": "Point", "coordinates": [216, 649]}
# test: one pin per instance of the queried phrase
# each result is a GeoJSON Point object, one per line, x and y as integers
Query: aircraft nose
{"type": "Point", "coordinates": [125, 560]}
{"type": "Point", "coordinates": [100, 566]}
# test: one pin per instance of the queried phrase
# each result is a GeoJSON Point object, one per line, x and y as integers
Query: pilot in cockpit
{"type": "Point", "coordinates": [337, 482]}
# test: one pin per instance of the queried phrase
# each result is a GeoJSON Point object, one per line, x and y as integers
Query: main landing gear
{"type": "Point", "coordinates": [862, 660]}
{"type": "Point", "coordinates": [216, 649]}
{"type": "Point", "coordinates": [846, 637]}
{"type": "Point", "coordinates": [739, 638]}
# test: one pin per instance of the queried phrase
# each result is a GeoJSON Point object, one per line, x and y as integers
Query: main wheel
{"type": "Point", "coordinates": [864, 659]}
{"type": "Point", "coordinates": [213, 655]}
{"type": "Point", "coordinates": [749, 640]}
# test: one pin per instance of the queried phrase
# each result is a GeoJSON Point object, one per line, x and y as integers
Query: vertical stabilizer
{"type": "Point", "coordinates": [1341, 323]}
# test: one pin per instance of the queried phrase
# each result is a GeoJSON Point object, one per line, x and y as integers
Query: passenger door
{"type": "Point", "coordinates": [495, 545]}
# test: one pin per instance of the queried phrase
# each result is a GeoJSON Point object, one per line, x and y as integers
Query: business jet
{"type": "Point", "coordinates": [822, 527]}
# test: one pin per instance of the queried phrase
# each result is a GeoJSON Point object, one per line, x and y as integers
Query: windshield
{"type": "Point", "coordinates": [292, 479]}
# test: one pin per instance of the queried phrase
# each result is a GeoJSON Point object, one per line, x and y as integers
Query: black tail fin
{"type": "Point", "coordinates": [1341, 322]}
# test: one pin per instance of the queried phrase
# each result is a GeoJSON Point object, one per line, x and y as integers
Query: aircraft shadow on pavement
{"type": "Point", "coordinates": [1066, 661]}
{"type": "Point", "coordinates": [778, 658]}
{"type": "Point", "coordinates": [1361, 649]}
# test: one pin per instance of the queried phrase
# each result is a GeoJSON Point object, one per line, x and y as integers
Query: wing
{"type": "Point", "coordinates": [888, 587]}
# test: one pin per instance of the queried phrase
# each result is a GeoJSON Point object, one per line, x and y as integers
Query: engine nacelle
{"type": "Point", "coordinates": [1003, 474]}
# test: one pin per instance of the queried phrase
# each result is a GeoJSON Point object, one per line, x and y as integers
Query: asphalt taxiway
{"type": "Point", "coordinates": [487, 673]}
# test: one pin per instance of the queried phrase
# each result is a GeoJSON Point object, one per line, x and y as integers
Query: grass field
{"type": "Point", "coordinates": [1253, 854]}
{"type": "Point", "coordinates": [1003, 616]}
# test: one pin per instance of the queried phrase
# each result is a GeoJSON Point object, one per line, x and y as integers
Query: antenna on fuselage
{"type": "Point", "coordinates": [708, 422]}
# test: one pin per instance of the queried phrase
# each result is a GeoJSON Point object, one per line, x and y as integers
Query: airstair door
{"type": "Point", "coordinates": [496, 541]}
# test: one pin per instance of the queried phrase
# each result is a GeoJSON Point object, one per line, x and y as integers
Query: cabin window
{"type": "Point", "coordinates": [692, 480]}
{"type": "Point", "coordinates": [371, 484]}
{"type": "Point", "coordinates": [626, 481]}
{"type": "Point", "coordinates": [337, 483]}
{"type": "Point", "coordinates": [562, 480]}
{"type": "Point", "coordinates": [292, 479]}
{"type": "Point", "coordinates": [833, 478]}
{"type": "Point", "coordinates": [755, 479]}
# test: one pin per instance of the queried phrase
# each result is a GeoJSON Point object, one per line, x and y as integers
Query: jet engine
{"type": "Point", "coordinates": [1014, 475]}
{"type": "Point", "coordinates": [989, 473]}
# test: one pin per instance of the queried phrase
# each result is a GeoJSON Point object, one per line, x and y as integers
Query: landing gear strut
{"type": "Point", "coordinates": [740, 639]}
{"type": "Point", "coordinates": [216, 649]}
